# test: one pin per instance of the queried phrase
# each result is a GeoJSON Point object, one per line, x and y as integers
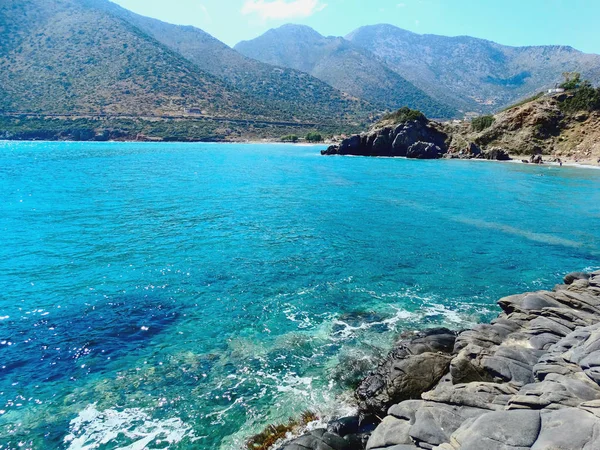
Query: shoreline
{"type": "Point", "coordinates": [529, 379]}
{"type": "Point", "coordinates": [516, 159]}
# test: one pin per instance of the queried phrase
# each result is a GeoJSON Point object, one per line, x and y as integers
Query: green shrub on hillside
{"type": "Point", "coordinates": [482, 122]}
{"type": "Point", "coordinates": [572, 81]}
{"type": "Point", "coordinates": [405, 114]}
{"type": "Point", "coordinates": [584, 98]}
{"type": "Point", "coordinates": [314, 137]}
{"type": "Point", "coordinates": [290, 138]}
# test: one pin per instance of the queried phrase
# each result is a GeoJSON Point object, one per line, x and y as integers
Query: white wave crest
{"type": "Point", "coordinates": [134, 427]}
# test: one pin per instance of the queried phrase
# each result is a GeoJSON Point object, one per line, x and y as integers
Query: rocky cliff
{"type": "Point", "coordinates": [543, 126]}
{"type": "Point", "coordinates": [528, 380]}
{"type": "Point", "coordinates": [410, 134]}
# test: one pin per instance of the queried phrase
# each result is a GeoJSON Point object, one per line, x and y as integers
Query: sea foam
{"type": "Point", "coordinates": [132, 429]}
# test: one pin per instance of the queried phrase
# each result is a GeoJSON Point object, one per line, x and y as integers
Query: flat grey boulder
{"type": "Point", "coordinates": [502, 430]}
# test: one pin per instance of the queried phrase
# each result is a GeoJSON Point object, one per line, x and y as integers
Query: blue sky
{"type": "Point", "coordinates": [510, 22]}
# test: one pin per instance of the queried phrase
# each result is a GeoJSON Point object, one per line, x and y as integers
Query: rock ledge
{"type": "Point", "coordinates": [528, 380]}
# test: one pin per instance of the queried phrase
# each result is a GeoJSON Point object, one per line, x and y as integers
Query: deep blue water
{"type": "Point", "coordinates": [185, 295]}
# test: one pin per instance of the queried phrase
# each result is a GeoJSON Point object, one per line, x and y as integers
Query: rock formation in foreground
{"type": "Point", "coordinates": [528, 380]}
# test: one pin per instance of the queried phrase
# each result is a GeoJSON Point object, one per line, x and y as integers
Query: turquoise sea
{"type": "Point", "coordinates": [184, 296]}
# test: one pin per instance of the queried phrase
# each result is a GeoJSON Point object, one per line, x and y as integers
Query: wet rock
{"type": "Point", "coordinates": [414, 366]}
{"type": "Point", "coordinates": [352, 425]}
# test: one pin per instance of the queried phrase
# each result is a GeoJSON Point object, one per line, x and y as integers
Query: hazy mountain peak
{"type": "Point", "coordinates": [382, 28]}
{"type": "Point", "coordinates": [341, 64]}
{"type": "Point", "coordinates": [474, 74]}
{"type": "Point", "coordinates": [298, 30]}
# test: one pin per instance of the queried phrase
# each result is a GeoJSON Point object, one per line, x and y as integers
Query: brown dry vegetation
{"type": "Point", "coordinates": [274, 433]}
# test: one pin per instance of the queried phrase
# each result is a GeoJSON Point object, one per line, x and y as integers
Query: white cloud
{"type": "Point", "coordinates": [282, 9]}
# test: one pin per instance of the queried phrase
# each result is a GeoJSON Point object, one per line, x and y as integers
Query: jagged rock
{"type": "Point", "coordinates": [424, 150]}
{"type": "Point", "coordinates": [351, 425]}
{"type": "Point", "coordinates": [351, 145]}
{"type": "Point", "coordinates": [331, 150]}
{"type": "Point", "coordinates": [408, 133]}
{"type": "Point", "coordinates": [391, 141]}
{"type": "Point", "coordinates": [536, 159]}
{"type": "Point", "coordinates": [528, 380]}
{"type": "Point", "coordinates": [473, 150]}
{"type": "Point", "coordinates": [413, 367]}
{"type": "Point", "coordinates": [381, 145]}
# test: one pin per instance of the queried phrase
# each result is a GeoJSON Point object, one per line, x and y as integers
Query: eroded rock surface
{"type": "Point", "coordinates": [425, 138]}
{"type": "Point", "coordinates": [528, 380]}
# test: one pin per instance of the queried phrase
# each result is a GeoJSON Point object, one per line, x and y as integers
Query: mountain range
{"type": "Point", "coordinates": [90, 57]}
{"type": "Point", "coordinates": [343, 65]}
{"type": "Point", "coordinates": [86, 58]}
{"type": "Point", "coordinates": [472, 75]}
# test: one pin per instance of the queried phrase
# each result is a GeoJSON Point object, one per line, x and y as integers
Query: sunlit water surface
{"type": "Point", "coordinates": [183, 296]}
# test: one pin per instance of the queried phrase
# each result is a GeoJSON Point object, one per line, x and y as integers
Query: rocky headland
{"type": "Point", "coordinates": [547, 128]}
{"type": "Point", "coordinates": [530, 379]}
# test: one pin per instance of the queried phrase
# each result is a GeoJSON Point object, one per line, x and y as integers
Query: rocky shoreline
{"type": "Point", "coordinates": [416, 138]}
{"type": "Point", "coordinates": [528, 380]}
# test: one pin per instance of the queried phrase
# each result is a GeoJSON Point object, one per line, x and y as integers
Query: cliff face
{"type": "Point", "coordinates": [409, 134]}
{"type": "Point", "coordinates": [540, 127]}
{"type": "Point", "coordinates": [528, 380]}
{"type": "Point", "coordinates": [417, 138]}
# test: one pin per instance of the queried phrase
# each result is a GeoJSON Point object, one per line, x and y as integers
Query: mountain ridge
{"type": "Point", "coordinates": [290, 91]}
{"type": "Point", "coordinates": [342, 65]}
{"type": "Point", "coordinates": [476, 74]}
{"type": "Point", "coordinates": [93, 57]}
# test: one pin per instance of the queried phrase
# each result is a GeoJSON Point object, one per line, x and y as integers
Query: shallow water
{"type": "Point", "coordinates": [183, 296]}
